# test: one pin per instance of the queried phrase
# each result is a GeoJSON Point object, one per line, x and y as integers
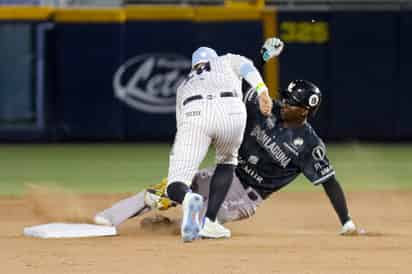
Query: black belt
{"type": "Point", "coordinates": [227, 94]}
{"type": "Point", "coordinates": [192, 98]}
{"type": "Point", "coordinates": [197, 97]}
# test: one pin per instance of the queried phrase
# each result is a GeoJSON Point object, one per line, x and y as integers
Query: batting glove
{"type": "Point", "coordinates": [271, 48]}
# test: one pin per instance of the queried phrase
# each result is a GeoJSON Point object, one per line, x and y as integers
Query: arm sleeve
{"type": "Point", "coordinates": [336, 196]}
{"type": "Point", "coordinates": [245, 69]}
{"type": "Point", "coordinates": [315, 164]}
{"type": "Point", "coordinates": [252, 105]}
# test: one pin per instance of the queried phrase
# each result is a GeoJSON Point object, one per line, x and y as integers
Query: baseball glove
{"type": "Point", "coordinates": [156, 198]}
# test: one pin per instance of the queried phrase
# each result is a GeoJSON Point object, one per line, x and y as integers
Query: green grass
{"type": "Point", "coordinates": [102, 168]}
{"type": "Point", "coordinates": [368, 167]}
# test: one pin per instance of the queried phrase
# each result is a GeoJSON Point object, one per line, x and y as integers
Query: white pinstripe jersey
{"type": "Point", "coordinates": [211, 119]}
{"type": "Point", "coordinates": [224, 76]}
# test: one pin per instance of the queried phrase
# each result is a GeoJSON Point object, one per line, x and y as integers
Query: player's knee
{"type": "Point", "coordinates": [239, 216]}
{"type": "Point", "coordinates": [233, 216]}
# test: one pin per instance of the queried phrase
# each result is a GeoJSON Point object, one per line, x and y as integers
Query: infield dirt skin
{"type": "Point", "coordinates": [293, 232]}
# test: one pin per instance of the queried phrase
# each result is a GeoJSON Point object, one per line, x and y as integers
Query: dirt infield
{"type": "Point", "coordinates": [291, 233]}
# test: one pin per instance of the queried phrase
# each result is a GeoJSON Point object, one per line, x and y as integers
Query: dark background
{"type": "Point", "coordinates": [362, 69]}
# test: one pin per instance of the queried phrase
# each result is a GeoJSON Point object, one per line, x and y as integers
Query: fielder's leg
{"type": "Point", "coordinates": [219, 186]}
{"type": "Point", "coordinates": [189, 149]}
{"type": "Point", "coordinates": [227, 145]}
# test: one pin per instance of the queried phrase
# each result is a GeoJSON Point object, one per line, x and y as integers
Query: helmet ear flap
{"type": "Point", "coordinates": [314, 102]}
{"type": "Point", "coordinates": [314, 110]}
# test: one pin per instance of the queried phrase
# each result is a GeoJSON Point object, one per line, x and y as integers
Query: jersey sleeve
{"type": "Point", "coordinates": [251, 103]}
{"type": "Point", "coordinates": [244, 68]}
{"type": "Point", "coordinates": [237, 62]}
{"type": "Point", "coordinates": [315, 164]}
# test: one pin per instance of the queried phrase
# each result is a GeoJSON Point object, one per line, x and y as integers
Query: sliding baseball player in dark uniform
{"type": "Point", "coordinates": [274, 151]}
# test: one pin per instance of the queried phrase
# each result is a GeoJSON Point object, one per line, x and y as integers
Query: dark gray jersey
{"type": "Point", "coordinates": [272, 156]}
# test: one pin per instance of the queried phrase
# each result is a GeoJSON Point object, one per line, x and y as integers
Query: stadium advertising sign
{"type": "Point", "coordinates": [148, 82]}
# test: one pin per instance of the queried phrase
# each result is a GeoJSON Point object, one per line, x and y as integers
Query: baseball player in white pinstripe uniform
{"type": "Point", "coordinates": [209, 110]}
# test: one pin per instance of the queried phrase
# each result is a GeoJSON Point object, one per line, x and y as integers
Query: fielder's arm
{"type": "Point", "coordinates": [245, 69]}
{"type": "Point", "coordinates": [272, 48]}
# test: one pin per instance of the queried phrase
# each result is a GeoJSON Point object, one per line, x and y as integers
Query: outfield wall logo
{"type": "Point", "coordinates": [149, 82]}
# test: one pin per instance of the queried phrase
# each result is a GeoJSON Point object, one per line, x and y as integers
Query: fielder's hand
{"type": "Point", "coordinates": [155, 196]}
{"type": "Point", "coordinates": [265, 103]}
{"type": "Point", "coordinates": [271, 48]}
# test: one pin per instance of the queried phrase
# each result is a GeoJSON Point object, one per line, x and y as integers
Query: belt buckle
{"type": "Point", "coordinates": [209, 97]}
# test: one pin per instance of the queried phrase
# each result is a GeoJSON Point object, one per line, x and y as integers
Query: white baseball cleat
{"type": "Point", "coordinates": [100, 220]}
{"type": "Point", "coordinates": [349, 228]}
{"type": "Point", "coordinates": [214, 230]}
{"type": "Point", "coordinates": [192, 205]}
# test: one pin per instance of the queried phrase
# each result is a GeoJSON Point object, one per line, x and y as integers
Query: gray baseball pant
{"type": "Point", "coordinates": [240, 203]}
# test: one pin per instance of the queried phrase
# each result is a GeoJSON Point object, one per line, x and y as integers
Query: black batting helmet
{"type": "Point", "coordinates": [304, 94]}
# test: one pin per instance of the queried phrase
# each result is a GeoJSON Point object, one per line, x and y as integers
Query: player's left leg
{"type": "Point", "coordinates": [152, 197]}
{"type": "Point", "coordinates": [123, 210]}
{"type": "Point", "coordinates": [189, 149]}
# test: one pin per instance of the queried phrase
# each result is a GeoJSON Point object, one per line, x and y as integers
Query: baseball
{"type": "Point", "coordinates": [313, 21]}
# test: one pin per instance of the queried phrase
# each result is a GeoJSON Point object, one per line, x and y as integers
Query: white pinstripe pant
{"type": "Point", "coordinates": [215, 120]}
